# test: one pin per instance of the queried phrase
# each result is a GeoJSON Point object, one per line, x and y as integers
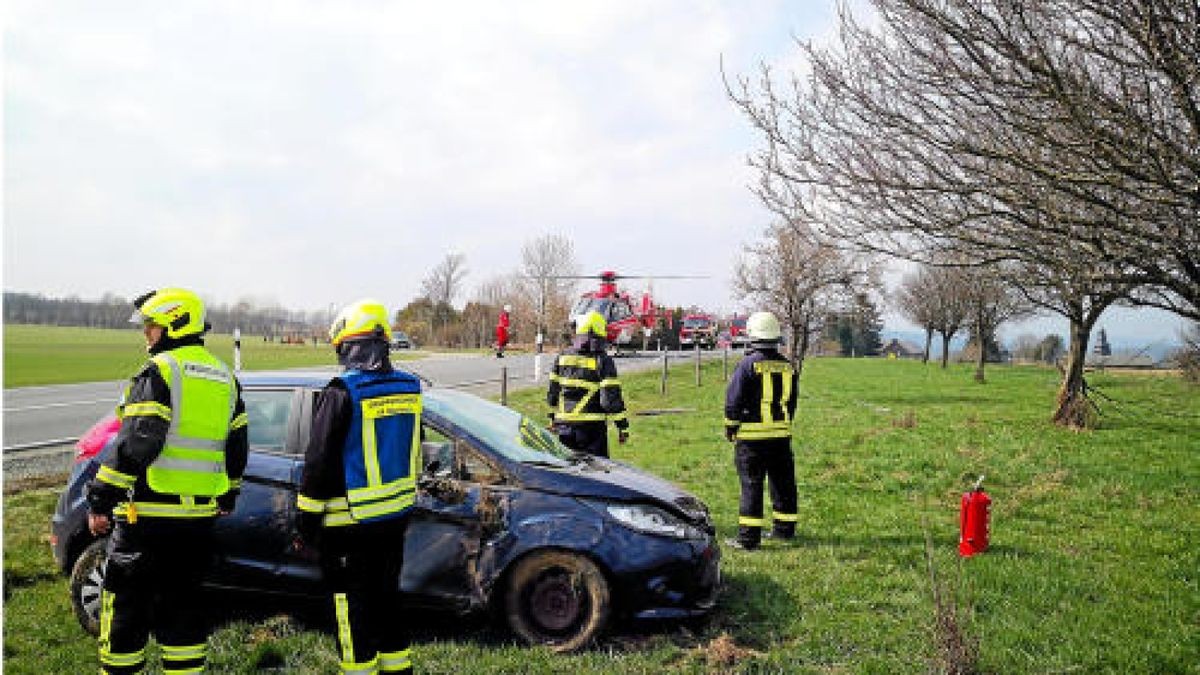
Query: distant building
{"type": "Point", "coordinates": [901, 349]}
{"type": "Point", "coordinates": [1102, 348]}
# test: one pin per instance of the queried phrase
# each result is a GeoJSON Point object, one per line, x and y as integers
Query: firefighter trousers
{"type": "Point", "coordinates": [362, 565]}
{"type": "Point", "coordinates": [589, 437]}
{"type": "Point", "coordinates": [770, 460]}
{"type": "Point", "coordinates": [152, 586]}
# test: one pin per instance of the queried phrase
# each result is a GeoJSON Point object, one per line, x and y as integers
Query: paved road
{"type": "Point", "coordinates": [42, 423]}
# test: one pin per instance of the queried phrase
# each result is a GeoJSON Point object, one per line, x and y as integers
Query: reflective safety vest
{"type": "Point", "coordinates": [203, 398]}
{"type": "Point", "coordinates": [776, 388]}
{"type": "Point", "coordinates": [383, 444]}
{"type": "Point", "coordinates": [582, 395]}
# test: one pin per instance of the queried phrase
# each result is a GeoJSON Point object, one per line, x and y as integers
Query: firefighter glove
{"type": "Point", "coordinates": [730, 433]}
{"type": "Point", "coordinates": [227, 501]}
{"type": "Point", "coordinates": [622, 436]}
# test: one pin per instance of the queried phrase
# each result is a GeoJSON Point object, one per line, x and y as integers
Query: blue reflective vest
{"type": "Point", "coordinates": [382, 453]}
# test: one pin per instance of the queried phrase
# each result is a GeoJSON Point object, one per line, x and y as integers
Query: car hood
{"type": "Point", "coordinates": [614, 481]}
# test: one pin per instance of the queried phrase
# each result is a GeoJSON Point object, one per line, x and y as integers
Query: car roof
{"type": "Point", "coordinates": [315, 380]}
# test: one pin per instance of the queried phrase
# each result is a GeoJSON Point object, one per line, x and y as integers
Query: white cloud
{"type": "Point", "coordinates": [314, 152]}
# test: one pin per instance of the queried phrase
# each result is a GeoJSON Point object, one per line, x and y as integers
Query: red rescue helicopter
{"type": "Point", "coordinates": [631, 321]}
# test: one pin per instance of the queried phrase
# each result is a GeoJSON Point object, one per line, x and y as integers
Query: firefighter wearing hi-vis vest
{"type": "Point", "coordinates": [358, 488]}
{"type": "Point", "coordinates": [177, 465]}
{"type": "Point", "coordinates": [759, 404]}
{"type": "Point", "coordinates": [584, 391]}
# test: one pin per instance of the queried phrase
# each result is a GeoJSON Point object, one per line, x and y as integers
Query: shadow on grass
{"type": "Point", "coordinates": [481, 629]}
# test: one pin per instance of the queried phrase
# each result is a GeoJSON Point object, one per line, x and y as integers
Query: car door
{"type": "Point", "coordinates": [254, 539]}
{"type": "Point", "coordinates": [456, 507]}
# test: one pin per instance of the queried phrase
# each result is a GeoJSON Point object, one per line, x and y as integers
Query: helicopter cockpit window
{"type": "Point", "coordinates": [586, 305]}
{"type": "Point", "coordinates": [618, 311]}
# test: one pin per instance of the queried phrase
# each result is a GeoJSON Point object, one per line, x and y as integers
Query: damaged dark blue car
{"type": "Point", "coordinates": [507, 519]}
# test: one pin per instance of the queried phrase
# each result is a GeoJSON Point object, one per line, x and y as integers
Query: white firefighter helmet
{"type": "Point", "coordinates": [763, 327]}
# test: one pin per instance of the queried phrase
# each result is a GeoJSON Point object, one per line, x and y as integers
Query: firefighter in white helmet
{"type": "Point", "coordinates": [760, 402]}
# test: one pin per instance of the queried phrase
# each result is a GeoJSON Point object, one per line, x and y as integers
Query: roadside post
{"type": "Point", "coordinates": [537, 364]}
{"type": "Point", "coordinates": [725, 363]}
{"type": "Point", "coordinates": [697, 364]}
{"type": "Point", "coordinates": [662, 383]}
{"type": "Point", "coordinates": [237, 350]}
{"type": "Point", "coordinates": [504, 385]}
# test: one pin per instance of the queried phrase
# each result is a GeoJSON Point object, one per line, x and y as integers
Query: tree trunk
{"type": "Point", "coordinates": [928, 340]}
{"type": "Point", "coordinates": [979, 362]}
{"type": "Point", "coordinates": [801, 351]}
{"type": "Point", "coordinates": [1075, 410]}
{"type": "Point", "coordinates": [945, 349]}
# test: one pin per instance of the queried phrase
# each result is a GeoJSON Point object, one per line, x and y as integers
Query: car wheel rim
{"type": "Point", "coordinates": [89, 592]}
{"type": "Point", "coordinates": [555, 603]}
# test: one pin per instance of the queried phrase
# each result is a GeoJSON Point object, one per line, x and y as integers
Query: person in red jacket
{"type": "Point", "coordinates": [502, 331]}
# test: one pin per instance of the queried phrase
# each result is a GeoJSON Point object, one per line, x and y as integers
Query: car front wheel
{"type": "Point", "coordinates": [87, 581]}
{"type": "Point", "coordinates": [557, 599]}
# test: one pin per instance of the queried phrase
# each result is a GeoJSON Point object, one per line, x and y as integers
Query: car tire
{"type": "Point", "coordinates": [557, 599]}
{"type": "Point", "coordinates": [87, 580]}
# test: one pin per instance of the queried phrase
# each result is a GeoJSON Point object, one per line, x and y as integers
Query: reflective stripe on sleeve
{"type": "Point", "coordinates": [239, 422]}
{"type": "Point", "coordinates": [109, 475]}
{"type": "Point", "coordinates": [146, 409]}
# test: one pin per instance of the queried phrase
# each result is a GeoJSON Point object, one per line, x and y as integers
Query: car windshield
{"type": "Point", "coordinates": [695, 323]}
{"type": "Point", "coordinates": [510, 433]}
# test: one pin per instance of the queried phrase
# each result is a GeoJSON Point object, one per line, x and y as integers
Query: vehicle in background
{"type": "Point", "coordinates": [737, 332]}
{"type": "Point", "coordinates": [508, 519]}
{"type": "Point", "coordinates": [698, 330]}
{"type": "Point", "coordinates": [400, 340]}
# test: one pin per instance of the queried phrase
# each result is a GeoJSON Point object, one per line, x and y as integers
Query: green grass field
{"type": "Point", "coordinates": [1094, 562]}
{"type": "Point", "coordinates": [37, 355]}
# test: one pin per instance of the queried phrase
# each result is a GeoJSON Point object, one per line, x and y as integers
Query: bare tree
{"type": "Point", "coordinates": [914, 299]}
{"type": "Point", "coordinates": [791, 274]}
{"type": "Point", "coordinates": [1049, 136]}
{"type": "Point", "coordinates": [546, 265]}
{"type": "Point", "coordinates": [442, 286]}
{"type": "Point", "coordinates": [991, 301]}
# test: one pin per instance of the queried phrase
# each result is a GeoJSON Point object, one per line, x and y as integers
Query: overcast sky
{"type": "Point", "coordinates": [314, 153]}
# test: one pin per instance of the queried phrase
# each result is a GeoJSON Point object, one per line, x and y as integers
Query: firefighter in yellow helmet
{"type": "Point", "coordinates": [358, 489]}
{"type": "Point", "coordinates": [584, 391]}
{"type": "Point", "coordinates": [760, 402]}
{"type": "Point", "coordinates": [177, 464]}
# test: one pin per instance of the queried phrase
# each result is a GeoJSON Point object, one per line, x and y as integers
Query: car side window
{"type": "Point", "coordinates": [436, 447]}
{"type": "Point", "coordinates": [474, 469]}
{"type": "Point", "coordinates": [456, 454]}
{"type": "Point", "coordinates": [267, 413]}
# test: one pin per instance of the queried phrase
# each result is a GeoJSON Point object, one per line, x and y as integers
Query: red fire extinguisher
{"type": "Point", "coordinates": [973, 521]}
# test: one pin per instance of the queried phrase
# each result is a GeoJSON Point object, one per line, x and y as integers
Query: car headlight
{"type": "Point", "coordinates": [652, 520]}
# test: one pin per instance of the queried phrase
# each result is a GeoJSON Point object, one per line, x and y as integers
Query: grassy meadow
{"type": "Point", "coordinates": [1094, 563]}
{"type": "Point", "coordinates": [37, 355]}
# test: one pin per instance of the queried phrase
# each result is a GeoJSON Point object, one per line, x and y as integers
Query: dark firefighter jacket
{"type": "Point", "coordinates": [324, 480]}
{"type": "Point", "coordinates": [760, 400]}
{"type": "Point", "coordinates": [584, 386]}
{"type": "Point", "coordinates": [141, 438]}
